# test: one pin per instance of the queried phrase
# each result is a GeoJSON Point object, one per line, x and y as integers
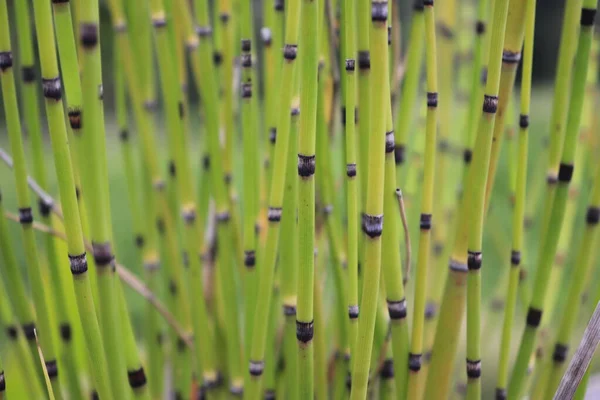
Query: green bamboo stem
{"type": "Point", "coordinates": [519, 205]}
{"type": "Point", "coordinates": [363, 59]}
{"type": "Point", "coordinates": [372, 223]}
{"type": "Point", "coordinates": [408, 96]}
{"type": "Point", "coordinates": [276, 194]}
{"type": "Point", "coordinates": [320, 352]}
{"type": "Point", "coordinates": [64, 169]}
{"type": "Point", "coordinates": [548, 253]}
{"type": "Point", "coordinates": [415, 377]}
{"type": "Point", "coordinates": [38, 293]}
{"type": "Point", "coordinates": [270, 70]}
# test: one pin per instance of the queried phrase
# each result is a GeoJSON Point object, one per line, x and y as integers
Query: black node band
{"type": "Point", "coordinates": [473, 368]}
{"type": "Point", "coordinates": [139, 241]}
{"type": "Point", "coordinates": [399, 151]}
{"type": "Point", "coordinates": [12, 332]}
{"type": "Point", "coordinates": [290, 51]}
{"type": "Point", "coordinates": [88, 35]}
{"type": "Point", "coordinates": [474, 259]}
{"type": "Point", "coordinates": [430, 311]}
{"type": "Point", "coordinates": [236, 391]}
{"type": "Point", "coordinates": [490, 104]}
{"type": "Point", "coordinates": [511, 57]}
{"type": "Point", "coordinates": [246, 45]}
{"type": "Point", "coordinates": [428, 3]}
{"type": "Point", "coordinates": [353, 312]}
{"type": "Point", "coordinates": [350, 66]}
{"type": "Point", "coordinates": [6, 60]}
{"type": "Point", "coordinates": [52, 88]}
{"type": "Point", "coordinates": [270, 394]}
{"type": "Point", "coordinates": [246, 90]}
{"type": "Point", "coordinates": [425, 222]}
{"type": "Point", "coordinates": [278, 5]}
{"type": "Point", "coordinates": [295, 111]}
{"type": "Point", "coordinates": [523, 121]}
{"type": "Point", "coordinates": [305, 331]}
{"type": "Point", "coordinates": [29, 331]}
{"type": "Point", "coordinates": [274, 214]}
{"type": "Point", "coordinates": [28, 73]}
{"type": "Point", "coordinates": [217, 58]}
{"type": "Point", "coordinates": [414, 362]}
{"type": "Point", "coordinates": [306, 165]}
{"type": "Point", "coordinates": [272, 135]}
{"type": "Point", "coordinates": [65, 332]}
{"type": "Point", "coordinates": [51, 368]}
{"type": "Point", "coordinates": [418, 6]}
{"type": "Point", "coordinates": [204, 31]}
{"type": "Point", "coordinates": [289, 310]}
{"type": "Point", "coordinates": [379, 11]}
{"type": "Point", "coordinates": [137, 378]}
{"type": "Point", "coordinates": [387, 369]}
{"type": "Point", "coordinates": [351, 170]}
{"type": "Point", "coordinates": [44, 207]}
{"type": "Point", "coordinates": [25, 215]}
{"type": "Point", "coordinates": [534, 316]}
{"type": "Point", "coordinates": [501, 394]}
{"type": "Point", "coordinates": [592, 216]}
{"type": "Point", "coordinates": [103, 255]}
{"type": "Point", "coordinates": [372, 225]}
{"type": "Point", "coordinates": [467, 156]}
{"type": "Point", "coordinates": [159, 22]}
{"type": "Point", "coordinates": [396, 309]}
{"type": "Point", "coordinates": [249, 258]}
{"type": "Point", "coordinates": [78, 264]}
{"type": "Point", "coordinates": [515, 258]}
{"type": "Point", "coordinates": [432, 99]}
{"type": "Point", "coordinates": [223, 217]}
{"type": "Point", "coordinates": [565, 172]}
{"type": "Point", "coordinates": [364, 59]}
{"type": "Point", "coordinates": [480, 27]}
{"type": "Point", "coordinates": [246, 60]}
{"type": "Point", "coordinates": [560, 353]}
{"type": "Point", "coordinates": [389, 142]}
{"type": "Point", "coordinates": [256, 368]}
{"type": "Point", "coordinates": [588, 15]}
{"type": "Point", "coordinates": [483, 77]}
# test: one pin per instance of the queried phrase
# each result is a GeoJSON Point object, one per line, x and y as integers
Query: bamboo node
{"type": "Point", "coordinates": [6, 60]}
{"type": "Point", "coordinates": [372, 225]}
{"type": "Point", "coordinates": [390, 144]}
{"type": "Point", "coordinates": [414, 362]}
{"type": "Point", "coordinates": [474, 260]}
{"type": "Point", "coordinates": [137, 378]}
{"type": "Point", "coordinates": [396, 309]}
{"type": "Point", "coordinates": [473, 369]}
{"type": "Point", "coordinates": [534, 316]}
{"type": "Point", "coordinates": [78, 264]}
{"type": "Point", "coordinates": [28, 73]}
{"type": "Point", "coordinates": [256, 368]}
{"type": "Point", "coordinates": [353, 311]}
{"type": "Point", "coordinates": [593, 215]}
{"type": "Point", "coordinates": [588, 15]}
{"type": "Point", "coordinates": [51, 368]}
{"type": "Point", "coordinates": [560, 353]}
{"type": "Point", "coordinates": [52, 88]}
{"type": "Point", "coordinates": [305, 331]}
{"type": "Point", "coordinates": [25, 215]}
{"type": "Point", "coordinates": [88, 34]}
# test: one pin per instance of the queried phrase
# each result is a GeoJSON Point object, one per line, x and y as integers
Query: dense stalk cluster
{"type": "Point", "coordinates": [273, 238]}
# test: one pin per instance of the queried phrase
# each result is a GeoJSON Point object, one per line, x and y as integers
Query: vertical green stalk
{"type": "Point", "coordinates": [266, 273]}
{"type": "Point", "coordinates": [372, 223]}
{"type": "Point", "coordinates": [415, 377]}
{"type": "Point", "coordinates": [363, 58]}
{"type": "Point", "coordinates": [519, 206]}
{"type": "Point", "coordinates": [11, 110]}
{"type": "Point", "coordinates": [51, 85]}
{"type": "Point", "coordinates": [565, 172]}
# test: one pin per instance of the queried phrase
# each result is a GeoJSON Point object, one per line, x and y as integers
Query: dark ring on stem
{"type": "Point", "coordinates": [534, 316]}
{"type": "Point", "coordinates": [59, 1]}
{"type": "Point", "coordinates": [387, 369]}
{"type": "Point", "coordinates": [328, 209]}
{"type": "Point", "coordinates": [181, 110]}
{"type": "Point", "coordinates": [305, 331]}
{"type": "Point", "coordinates": [473, 368]}
{"type": "Point", "coordinates": [306, 165]}
{"type": "Point", "coordinates": [483, 77]}
{"type": "Point", "coordinates": [523, 121]}
{"type": "Point", "coordinates": [290, 51]}
{"type": "Point", "coordinates": [95, 395]}
{"type": "Point", "coordinates": [65, 332]}
{"type": "Point", "coordinates": [474, 259]}
{"type": "Point", "coordinates": [270, 394]}
{"type": "Point", "coordinates": [457, 266]}
{"type": "Point", "coordinates": [2, 382]}
{"type": "Point", "coordinates": [515, 258]}
{"type": "Point", "coordinates": [551, 179]}
{"type": "Point", "coordinates": [379, 11]}
{"type": "Point", "coordinates": [295, 111]}
{"type": "Point", "coordinates": [28, 73]}
{"type": "Point", "coordinates": [490, 104]}
{"type": "Point", "coordinates": [246, 90]}
{"type": "Point", "coordinates": [137, 378]}
{"type": "Point", "coordinates": [204, 31]}
{"type": "Point", "coordinates": [560, 353]}
{"type": "Point", "coordinates": [432, 99]}
{"type": "Point", "coordinates": [52, 88]}
{"type": "Point", "coordinates": [350, 66]}
{"type": "Point", "coordinates": [150, 105]}
{"type": "Point", "coordinates": [266, 36]}
{"type": "Point", "coordinates": [78, 264]}
{"type": "Point", "coordinates": [278, 5]}
{"type": "Point", "coordinates": [246, 60]}
{"type": "Point", "coordinates": [173, 287]}
{"type": "Point", "coordinates": [29, 330]}
{"type": "Point", "coordinates": [246, 45]}
{"type": "Point", "coordinates": [364, 59]}
{"type": "Point", "coordinates": [351, 170]}
{"type": "Point", "coordinates": [223, 217]}
{"type": "Point", "coordinates": [565, 172]}
{"type": "Point", "coordinates": [44, 207]}
{"type": "Point", "coordinates": [501, 394]}
{"type": "Point", "coordinates": [480, 27]}
{"type": "Point", "coordinates": [389, 142]}
{"type": "Point", "coordinates": [396, 309]}
{"type": "Point", "coordinates": [51, 368]}
{"type": "Point", "coordinates": [6, 60]}
{"type": "Point", "coordinates": [353, 311]}
{"type": "Point", "coordinates": [588, 16]}
{"type": "Point", "coordinates": [372, 225]}
{"type": "Point", "coordinates": [236, 390]}
{"type": "Point", "coordinates": [189, 216]}
{"type": "Point", "coordinates": [399, 151]}
{"type": "Point", "coordinates": [75, 119]}
{"type": "Point", "coordinates": [160, 226]}
{"type": "Point", "coordinates": [389, 35]}
{"type": "Point", "coordinates": [139, 241]}
{"type": "Point", "coordinates": [88, 34]}
{"type": "Point", "coordinates": [206, 162]}
{"type": "Point", "coordinates": [249, 258]}
{"type": "Point", "coordinates": [443, 146]}
{"type": "Point", "coordinates": [217, 58]}
{"type": "Point", "coordinates": [25, 215]}
{"type": "Point", "coordinates": [428, 3]}
{"type": "Point", "coordinates": [274, 214]}
{"type": "Point", "coordinates": [430, 310]}
{"type": "Point", "coordinates": [103, 255]}
{"type": "Point", "coordinates": [467, 156]}
{"type": "Point", "coordinates": [425, 222]}
{"type": "Point", "coordinates": [511, 57]}
{"type": "Point", "coordinates": [256, 368]}
{"type": "Point", "coordinates": [414, 362]}
{"type": "Point", "coordinates": [272, 135]}
{"type": "Point", "coordinates": [445, 31]}
{"type": "Point", "coordinates": [418, 5]}
{"type": "Point", "coordinates": [289, 310]}
{"type": "Point", "coordinates": [224, 17]}
{"type": "Point", "coordinates": [159, 22]}
{"type": "Point", "coordinates": [592, 216]}
{"type": "Point", "coordinates": [12, 332]}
